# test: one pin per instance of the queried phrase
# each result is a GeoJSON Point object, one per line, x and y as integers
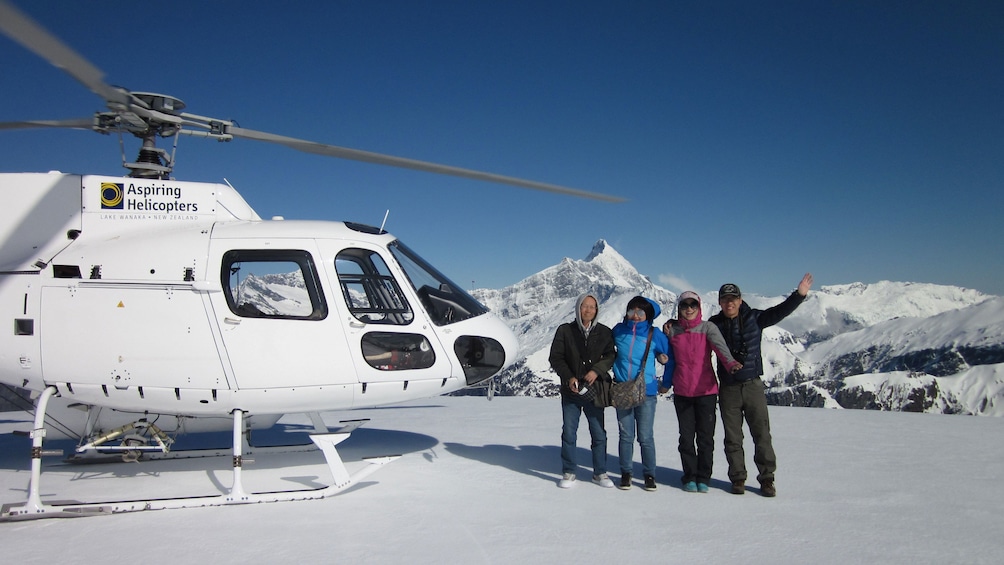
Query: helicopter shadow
{"type": "Point", "coordinates": [364, 442]}
{"type": "Point", "coordinates": [544, 461]}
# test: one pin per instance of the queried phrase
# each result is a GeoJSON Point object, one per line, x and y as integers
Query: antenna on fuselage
{"type": "Point", "coordinates": [382, 224]}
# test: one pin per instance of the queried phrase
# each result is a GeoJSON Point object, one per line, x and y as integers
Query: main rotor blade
{"type": "Point", "coordinates": [25, 31]}
{"type": "Point", "coordinates": [75, 123]}
{"type": "Point", "coordinates": [380, 159]}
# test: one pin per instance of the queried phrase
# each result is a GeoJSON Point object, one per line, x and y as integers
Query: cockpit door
{"type": "Point", "coordinates": [389, 336]}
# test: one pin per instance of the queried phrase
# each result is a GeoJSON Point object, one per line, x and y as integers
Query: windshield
{"type": "Point", "coordinates": [442, 298]}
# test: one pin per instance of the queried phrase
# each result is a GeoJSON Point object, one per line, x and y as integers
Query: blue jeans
{"type": "Point", "coordinates": [640, 417]}
{"type": "Point", "coordinates": [570, 412]}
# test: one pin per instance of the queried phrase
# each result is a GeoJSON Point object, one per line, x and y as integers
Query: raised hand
{"type": "Point", "coordinates": [803, 287]}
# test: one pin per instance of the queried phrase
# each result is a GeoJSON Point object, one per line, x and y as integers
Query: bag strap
{"type": "Point", "coordinates": [644, 356]}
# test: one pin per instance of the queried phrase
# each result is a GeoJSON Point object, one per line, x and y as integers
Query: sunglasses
{"type": "Point", "coordinates": [636, 312]}
{"type": "Point", "coordinates": [687, 304]}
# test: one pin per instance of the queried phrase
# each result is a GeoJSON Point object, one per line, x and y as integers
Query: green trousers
{"type": "Point", "coordinates": [747, 401]}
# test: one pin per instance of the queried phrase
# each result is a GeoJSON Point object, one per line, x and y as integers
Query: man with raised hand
{"type": "Point", "coordinates": [742, 394]}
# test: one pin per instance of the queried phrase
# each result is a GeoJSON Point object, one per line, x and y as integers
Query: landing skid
{"type": "Point", "coordinates": [34, 508]}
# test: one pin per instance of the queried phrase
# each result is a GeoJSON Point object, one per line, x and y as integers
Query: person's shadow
{"type": "Point", "coordinates": [544, 461]}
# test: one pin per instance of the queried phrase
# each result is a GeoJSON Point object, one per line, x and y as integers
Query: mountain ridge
{"type": "Point", "coordinates": [885, 345]}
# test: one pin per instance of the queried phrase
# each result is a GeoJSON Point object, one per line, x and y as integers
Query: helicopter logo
{"type": "Point", "coordinates": [111, 196]}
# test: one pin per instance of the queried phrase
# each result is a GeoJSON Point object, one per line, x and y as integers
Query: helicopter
{"type": "Point", "coordinates": [144, 299]}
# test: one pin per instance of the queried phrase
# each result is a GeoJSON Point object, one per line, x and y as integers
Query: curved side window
{"type": "Point", "coordinates": [371, 292]}
{"type": "Point", "coordinates": [272, 283]}
{"type": "Point", "coordinates": [481, 357]}
{"type": "Point", "coordinates": [395, 352]}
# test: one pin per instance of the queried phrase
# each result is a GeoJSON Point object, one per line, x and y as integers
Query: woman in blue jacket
{"type": "Point", "coordinates": [630, 338]}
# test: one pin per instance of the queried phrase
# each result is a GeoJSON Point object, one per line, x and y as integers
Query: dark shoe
{"type": "Point", "coordinates": [625, 481]}
{"type": "Point", "coordinates": [767, 489]}
{"type": "Point", "coordinates": [650, 483]}
{"type": "Point", "coordinates": [738, 487]}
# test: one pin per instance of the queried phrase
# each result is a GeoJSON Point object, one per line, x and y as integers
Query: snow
{"type": "Point", "coordinates": [476, 483]}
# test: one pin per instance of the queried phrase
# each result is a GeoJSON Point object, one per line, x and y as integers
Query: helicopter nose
{"type": "Point", "coordinates": [507, 339]}
{"type": "Point", "coordinates": [492, 348]}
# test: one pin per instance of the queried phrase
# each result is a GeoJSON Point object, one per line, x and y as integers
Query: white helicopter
{"type": "Point", "coordinates": [146, 299]}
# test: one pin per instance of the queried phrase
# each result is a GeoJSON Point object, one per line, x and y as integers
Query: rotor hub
{"type": "Point", "coordinates": [160, 102]}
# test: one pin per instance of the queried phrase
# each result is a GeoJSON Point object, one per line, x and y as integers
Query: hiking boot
{"type": "Point", "coordinates": [603, 480]}
{"type": "Point", "coordinates": [567, 480]}
{"type": "Point", "coordinates": [702, 487]}
{"type": "Point", "coordinates": [767, 489]}
{"type": "Point", "coordinates": [650, 483]}
{"type": "Point", "coordinates": [690, 486]}
{"type": "Point", "coordinates": [625, 481]}
{"type": "Point", "coordinates": [738, 487]}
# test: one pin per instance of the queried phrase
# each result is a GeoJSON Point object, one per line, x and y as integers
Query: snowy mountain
{"type": "Point", "coordinates": [888, 345]}
{"type": "Point", "coordinates": [537, 305]}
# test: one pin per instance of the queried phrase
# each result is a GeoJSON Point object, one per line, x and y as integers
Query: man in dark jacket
{"type": "Point", "coordinates": [741, 394]}
{"type": "Point", "coordinates": [582, 352]}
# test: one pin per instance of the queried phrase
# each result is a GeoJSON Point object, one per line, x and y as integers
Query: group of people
{"type": "Point", "coordinates": [584, 352]}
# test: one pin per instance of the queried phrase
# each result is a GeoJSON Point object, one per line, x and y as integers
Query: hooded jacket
{"type": "Point", "coordinates": [693, 342]}
{"type": "Point", "coordinates": [576, 350]}
{"type": "Point", "coordinates": [630, 338]}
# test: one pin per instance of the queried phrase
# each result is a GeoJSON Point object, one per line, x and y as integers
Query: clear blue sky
{"type": "Point", "coordinates": [755, 141]}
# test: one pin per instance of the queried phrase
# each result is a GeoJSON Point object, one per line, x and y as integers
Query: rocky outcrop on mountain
{"type": "Point", "coordinates": [941, 362]}
{"type": "Point", "coordinates": [912, 392]}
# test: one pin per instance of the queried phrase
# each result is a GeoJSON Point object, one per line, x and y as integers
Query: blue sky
{"type": "Point", "coordinates": [754, 141]}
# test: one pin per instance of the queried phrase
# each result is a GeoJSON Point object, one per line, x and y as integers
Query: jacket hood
{"type": "Point", "coordinates": [655, 308]}
{"type": "Point", "coordinates": [578, 313]}
{"type": "Point", "coordinates": [690, 295]}
{"type": "Point", "coordinates": [651, 308]}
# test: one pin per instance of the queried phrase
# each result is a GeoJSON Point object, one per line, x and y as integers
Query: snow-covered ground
{"type": "Point", "coordinates": [477, 484]}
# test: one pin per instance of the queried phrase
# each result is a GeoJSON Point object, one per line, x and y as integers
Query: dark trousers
{"type": "Point", "coordinates": [696, 416]}
{"type": "Point", "coordinates": [746, 400]}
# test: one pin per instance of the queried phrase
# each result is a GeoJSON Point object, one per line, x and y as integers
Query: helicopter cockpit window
{"type": "Point", "coordinates": [273, 284]}
{"type": "Point", "coordinates": [444, 300]}
{"type": "Point", "coordinates": [371, 291]}
{"type": "Point", "coordinates": [396, 351]}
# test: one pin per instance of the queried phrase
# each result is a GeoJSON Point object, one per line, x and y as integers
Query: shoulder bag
{"type": "Point", "coordinates": [628, 394]}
